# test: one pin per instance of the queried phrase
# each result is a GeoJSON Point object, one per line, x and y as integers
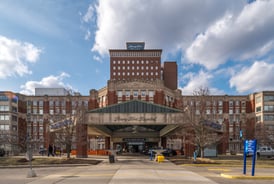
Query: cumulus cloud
{"type": "Point", "coordinates": [239, 37]}
{"type": "Point", "coordinates": [15, 57]}
{"type": "Point", "coordinates": [161, 24]}
{"type": "Point", "coordinates": [89, 15]}
{"type": "Point", "coordinates": [257, 77]}
{"type": "Point", "coordinates": [195, 81]}
{"type": "Point", "coordinates": [47, 82]}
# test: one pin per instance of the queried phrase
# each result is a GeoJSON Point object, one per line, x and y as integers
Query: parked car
{"type": "Point", "coordinates": [2, 152]}
{"type": "Point", "coordinates": [43, 151]}
{"type": "Point", "coordinates": [265, 151]}
{"type": "Point", "coordinates": [169, 152]}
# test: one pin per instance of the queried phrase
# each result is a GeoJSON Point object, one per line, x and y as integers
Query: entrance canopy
{"type": "Point", "coordinates": [134, 114]}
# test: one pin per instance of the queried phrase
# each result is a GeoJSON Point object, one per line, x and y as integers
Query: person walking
{"type": "Point", "coordinates": [50, 150]}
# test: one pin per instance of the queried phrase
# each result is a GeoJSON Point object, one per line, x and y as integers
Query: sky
{"type": "Point", "coordinates": [226, 46]}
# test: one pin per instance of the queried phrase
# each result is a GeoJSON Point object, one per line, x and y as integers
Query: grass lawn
{"type": "Point", "coordinates": [11, 161]}
{"type": "Point", "coordinates": [223, 160]}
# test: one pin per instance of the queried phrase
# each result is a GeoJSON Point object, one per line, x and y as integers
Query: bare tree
{"type": "Point", "coordinates": [64, 131]}
{"type": "Point", "coordinates": [200, 127]}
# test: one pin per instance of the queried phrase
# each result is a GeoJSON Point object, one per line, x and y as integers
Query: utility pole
{"type": "Point", "coordinates": [31, 173]}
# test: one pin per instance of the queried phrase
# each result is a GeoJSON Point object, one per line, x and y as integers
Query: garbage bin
{"type": "Point", "coordinates": [111, 158]}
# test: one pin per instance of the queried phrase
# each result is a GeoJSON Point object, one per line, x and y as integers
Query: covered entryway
{"type": "Point", "coordinates": [133, 126]}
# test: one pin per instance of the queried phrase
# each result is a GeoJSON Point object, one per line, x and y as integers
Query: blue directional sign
{"type": "Point", "coordinates": [250, 146]}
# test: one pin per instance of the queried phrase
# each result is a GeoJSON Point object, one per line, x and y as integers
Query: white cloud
{"type": "Point", "coordinates": [195, 81]}
{"type": "Point", "coordinates": [89, 14]}
{"type": "Point", "coordinates": [161, 24]}
{"type": "Point", "coordinates": [239, 37]}
{"type": "Point", "coordinates": [257, 77]}
{"type": "Point", "coordinates": [47, 82]}
{"type": "Point", "coordinates": [88, 34]}
{"type": "Point", "coordinates": [97, 58]}
{"type": "Point", "coordinates": [15, 57]}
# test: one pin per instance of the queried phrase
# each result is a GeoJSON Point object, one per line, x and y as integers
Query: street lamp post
{"type": "Point", "coordinates": [31, 172]}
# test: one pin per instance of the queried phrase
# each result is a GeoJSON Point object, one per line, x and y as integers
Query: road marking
{"type": "Point", "coordinates": [219, 169]}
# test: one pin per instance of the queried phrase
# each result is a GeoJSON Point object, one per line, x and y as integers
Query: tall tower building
{"type": "Point", "coordinates": [135, 62]}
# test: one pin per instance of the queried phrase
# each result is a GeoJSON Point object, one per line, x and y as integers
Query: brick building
{"type": "Point", "coordinates": [141, 106]}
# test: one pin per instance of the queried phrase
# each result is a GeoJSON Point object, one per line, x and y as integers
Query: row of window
{"type": "Point", "coordinates": [137, 73]}
{"type": "Point", "coordinates": [267, 108]}
{"type": "Point", "coordinates": [4, 127]}
{"type": "Point", "coordinates": [135, 93]}
{"type": "Point", "coordinates": [5, 98]}
{"type": "Point", "coordinates": [268, 117]}
{"type": "Point", "coordinates": [215, 103]}
{"type": "Point", "coordinates": [267, 98]}
{"type": "Point", "coordinates": [6, 108]}
{"type": "Point", "coordinates": [133, 68]}
{"type": "Point", "coordinates": [51, 111]}
{"type": "Point", "coordinates": [52, 103]}
{"type": "Point", "coordinates": [4, 117]}
{"type": "Point", "coordinates": [135, 54]}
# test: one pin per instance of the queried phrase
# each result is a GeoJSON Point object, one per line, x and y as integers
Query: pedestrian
{"type": "Point", "coordinates": [50, 150]}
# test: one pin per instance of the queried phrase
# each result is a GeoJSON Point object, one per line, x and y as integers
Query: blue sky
{"type": "Point", "coordinates": [227, 46]}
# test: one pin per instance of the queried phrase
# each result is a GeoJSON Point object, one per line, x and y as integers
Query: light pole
{"type": "Point", "coordinates": [31, 173]}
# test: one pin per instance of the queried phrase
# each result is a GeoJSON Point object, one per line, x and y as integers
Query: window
{"type": "Point", "coordinates": [14, 118]}
{"type": "Point", "coordinates": [34, 111]}
{"type": "Point", "coordinates": [230, 103]}
{"type": "Point", "coordinates": [258, 109]}
{"type": "Point", "coordinates": [51, 111]}
{"type": "Point", "coordinates": [268, 117]}
{"type": "Point", "coordinates": [268, 98]}
{"type": "Point", "coordinates": [4, 127]}
{"type": "Point", "coordinates": [258, 99]}
{"type": "Point", "coordinates": [230, 111]}
{"type": "Point", "coordinates": [143, 93]}
{"type": "Point", "coordinates": [220, 103]}
{"type": "Point", "coordinates": [220, 112]}
{"type": "Point", "coordinates": [4, 117]}
{"type": "Point", "coordinates": [119, 93]}
{"type": "Point", "coordinates": [208, 111]}
{"type": "Point", "coordinates": [51, 103]}
{"type": "Point", "coordinates": [4, 108]}
{"type": "Point", "coordinates": [63, 111]}
{"type": "Point", "coordinates": [127, 93]}
{"type": "Point", "coordinates": [135, 93]}
{"type": "Point", "coordinates": [4, 98]}
{"type": "Point", "coordinates": [237, 111]}
{"type": "Point", "coordinates": [258, 118]}
{"type": "Point", "coordinates": [269, 108]}
{"type": "Point", "coordinates": [237, 103]}
{"type": "Point", "coordinates": [34, 103]}
{"type": "Point", "coordinates": [151, 93]}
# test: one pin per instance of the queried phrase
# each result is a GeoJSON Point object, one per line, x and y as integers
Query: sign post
{"type": "Point", "coordinates": [250, 147]}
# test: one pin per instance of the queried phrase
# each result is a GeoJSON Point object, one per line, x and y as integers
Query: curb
{"type": "Point", "coordinates": [267, 177]}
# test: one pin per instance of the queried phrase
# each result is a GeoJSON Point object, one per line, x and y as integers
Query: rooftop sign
{"type": "Point", "coordinates": [135, 45]}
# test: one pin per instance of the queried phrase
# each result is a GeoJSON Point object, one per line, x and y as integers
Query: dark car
{"type": "Point", "coordinates": [43, 151]}
{"type": "Point", "coordinates": [169, 152]}
{"type": "Point", "coordinates": [2, 152]}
